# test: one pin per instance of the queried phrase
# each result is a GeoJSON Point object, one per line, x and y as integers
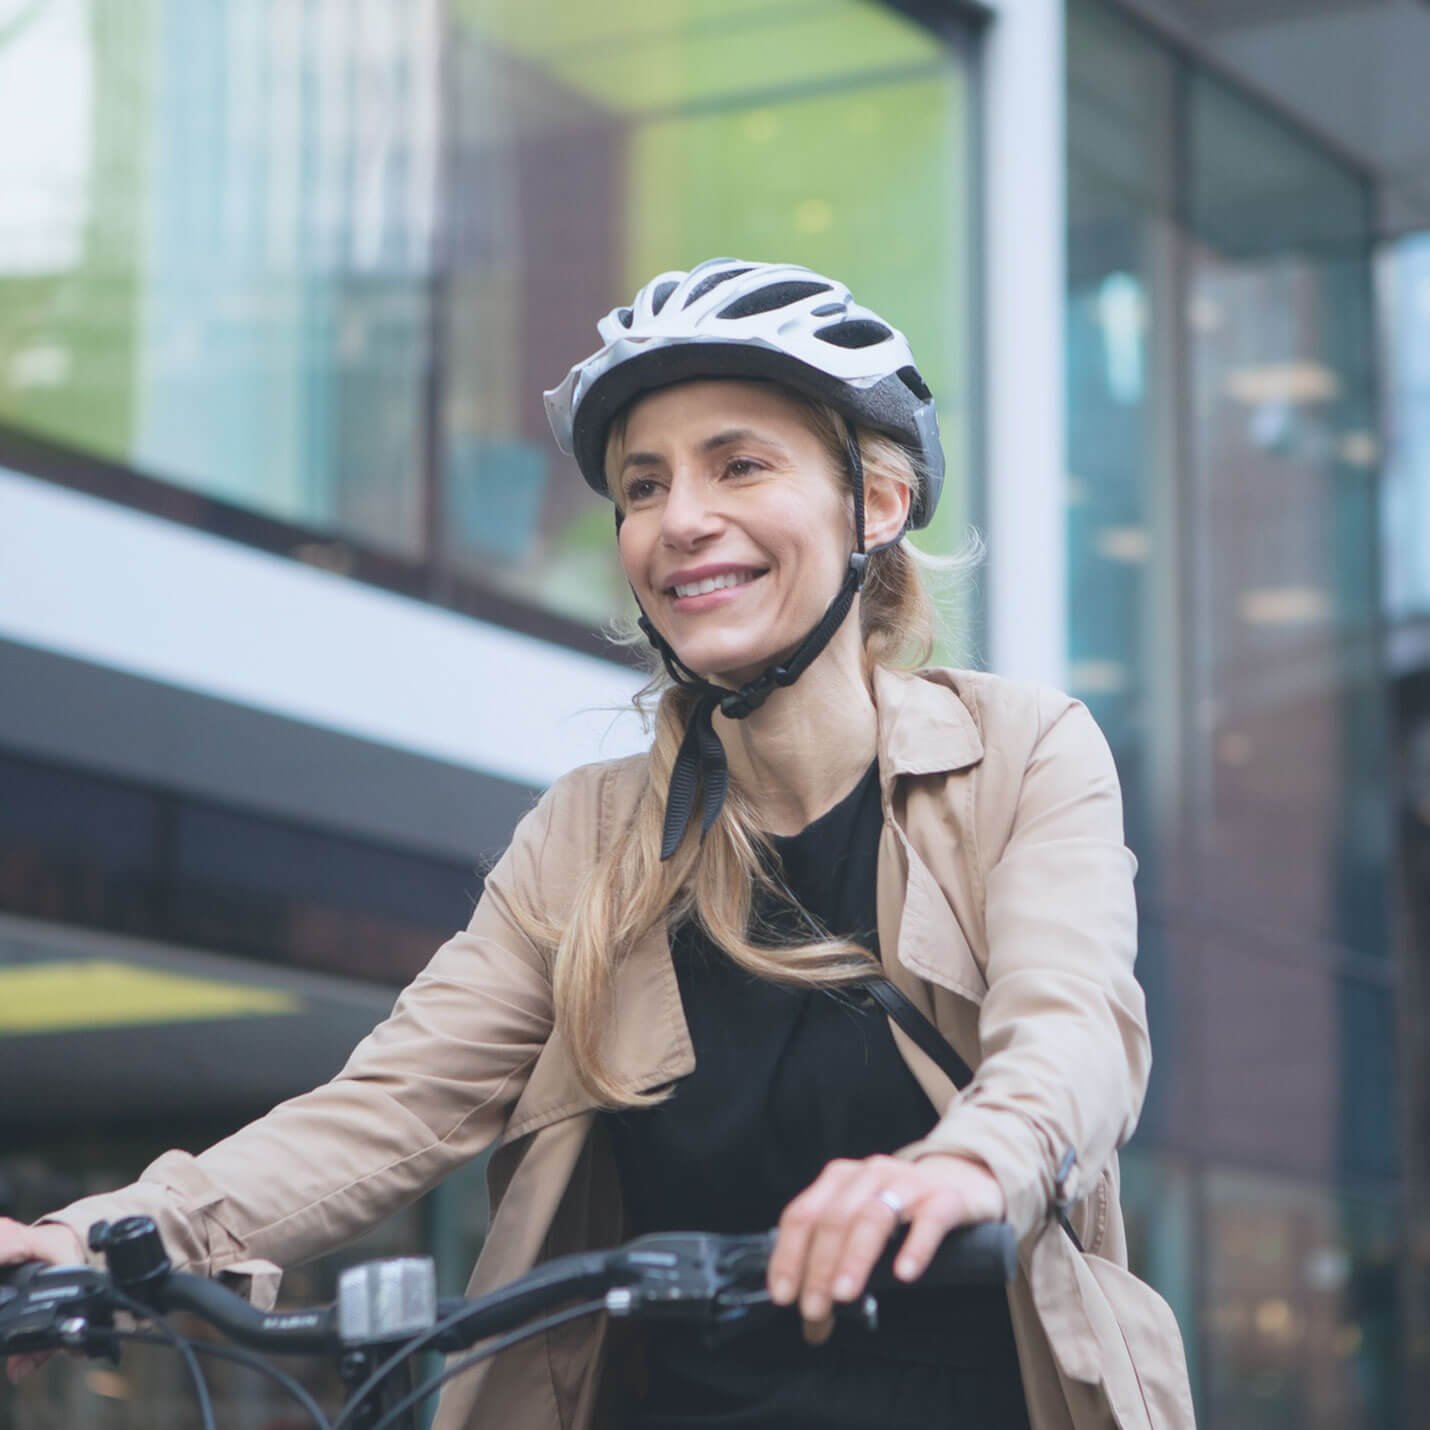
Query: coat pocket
{"type": "Point", "coordinates": [1152, 1341]}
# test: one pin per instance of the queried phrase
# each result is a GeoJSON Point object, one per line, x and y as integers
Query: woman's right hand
{"type": "Point", "coordinates": [55, 1244]}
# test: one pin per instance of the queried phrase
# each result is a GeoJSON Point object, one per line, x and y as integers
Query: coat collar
{"type": "Point", "coordinates": [924, 726]}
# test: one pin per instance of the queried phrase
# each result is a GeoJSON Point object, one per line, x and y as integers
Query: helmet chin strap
{"type": "Point", "coordinates": [701, 776]}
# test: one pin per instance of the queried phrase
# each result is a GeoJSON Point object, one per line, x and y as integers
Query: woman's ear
{"type": "Point", "coordinates": [886, 508]}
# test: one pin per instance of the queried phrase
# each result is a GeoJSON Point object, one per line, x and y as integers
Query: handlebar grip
{"type": "Point", "coordinates": [297, 1332]}
{"type": "Point", "coordinates": [980, 1254]}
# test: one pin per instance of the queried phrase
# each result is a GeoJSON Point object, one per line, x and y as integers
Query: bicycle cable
{"type": "Point", "coordinates": [492, 1347]}
{"type": "Point", "coordinates": [411, 1348]}
{"type": "Point", "coordinates": [181, 1344]}
{"type": "Point", "coordinates": [241, 1356]}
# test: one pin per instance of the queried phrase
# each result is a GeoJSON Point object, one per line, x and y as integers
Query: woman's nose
{"type": "Point", "coordinates": [689, 513]}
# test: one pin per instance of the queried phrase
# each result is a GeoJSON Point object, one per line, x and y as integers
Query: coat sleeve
{"type": "Point", "coordinates": [1063, 1027]}
{"type": "Point", "coordinates": [429, 1088]}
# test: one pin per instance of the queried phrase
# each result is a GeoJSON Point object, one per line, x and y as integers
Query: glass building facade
{"type": "Point", "coordinates": [317, 262]}
{"type": "Point", "coordinates": [295, 273]}
{"type": "Point", "coordinates": [1225, 628]}
{"type": "Point", "coordinates": [1405, 307]}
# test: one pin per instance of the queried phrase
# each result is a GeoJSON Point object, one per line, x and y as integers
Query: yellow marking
{"type": "Point", "coordinates": [68, 995]}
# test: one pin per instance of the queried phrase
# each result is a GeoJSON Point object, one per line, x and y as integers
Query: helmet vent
{"type": "Point", "coordinates": [860, 333]}
{"type": "Point", "coordinates": [657, 299]}
{"type": "Point", "coordinates": [713, 280]}
{"type": "Point", "coordinates": [915, 383]}
{"type": "Point", "coordinates": [774, 295]}
{"type": "Point", "coordinates": [731, 318]}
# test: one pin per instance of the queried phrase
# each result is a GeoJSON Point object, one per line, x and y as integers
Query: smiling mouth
{"type": "Point", "coordinates": [729, 581]}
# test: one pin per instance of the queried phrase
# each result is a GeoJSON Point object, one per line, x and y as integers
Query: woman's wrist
{"type": "Point", "coordinates": [58, 1243]}
{"type": "Point", "coordinates": [992, 1193]}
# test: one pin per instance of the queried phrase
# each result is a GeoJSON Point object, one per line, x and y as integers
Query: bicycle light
{"type": "Point", "coordinates": [387, 1300]}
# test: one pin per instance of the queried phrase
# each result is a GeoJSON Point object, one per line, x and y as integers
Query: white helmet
{"type": "Point", "coordinates": [777, 321]}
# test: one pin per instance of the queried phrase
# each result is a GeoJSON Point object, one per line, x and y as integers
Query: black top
{"type": "Point", "coordinates": [787, 1079]}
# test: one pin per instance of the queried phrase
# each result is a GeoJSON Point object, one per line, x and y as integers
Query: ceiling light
{"type": "Point", "coordinates": [1098, 677]}
{"type": "Point", "coordinates": [1295, 382]}
{"type": "Point", "coordinates": [1360, 449]}
{"type": "Point", "coordinates": [1285, 606]}
{"type": "Point", "coordinates": [1204, 315]}
{"type": "Point", "coordinates": [1128, 544]}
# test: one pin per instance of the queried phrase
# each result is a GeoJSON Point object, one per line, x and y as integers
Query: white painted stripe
{"type": "Point", "coordinates": [123, 589]}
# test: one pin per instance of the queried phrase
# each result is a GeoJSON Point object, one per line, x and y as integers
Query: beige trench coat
{"type": "Point", "coordinates": [1005, 911]}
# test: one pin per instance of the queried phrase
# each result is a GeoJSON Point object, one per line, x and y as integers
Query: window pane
{"type": "Point", "coordinates": [1119, 415]}
{"type": "Point", "coordinates": [1406, 513]}
{"type": "Point", "coordinates": [1157, 1207]}
{"type": "Point", "coordinates": [233, 291]}
{"type": "Point", "coordinates": [1222, 494]}
{"type": "Point", "coordinates": [1301, 1308]}
{"type": "Point", "coordinates": [599, 146]}
{"type": "Point", "coordinates": [1121, 395]}
{"type": "Point", "coordinates": [1288, 789]}
{"type": "Point", "coordinates": [320, 261]}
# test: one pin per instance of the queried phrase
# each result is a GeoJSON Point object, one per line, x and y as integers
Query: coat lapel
{"type": "Point", "coordinates": [924, 728]}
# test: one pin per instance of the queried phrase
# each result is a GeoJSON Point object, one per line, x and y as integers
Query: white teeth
{"type": "Point", "coordinates": [716, 583]}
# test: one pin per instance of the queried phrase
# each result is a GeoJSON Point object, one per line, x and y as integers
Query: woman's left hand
{"type": "Point", "coordinates": [831, 1235]}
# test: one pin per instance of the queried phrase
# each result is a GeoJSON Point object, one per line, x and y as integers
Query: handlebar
{"type": "Point", "coordinates": [388, 1311]}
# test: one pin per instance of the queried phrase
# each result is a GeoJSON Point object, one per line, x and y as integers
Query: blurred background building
{"type": "Point", "coordinates": [299, 606]}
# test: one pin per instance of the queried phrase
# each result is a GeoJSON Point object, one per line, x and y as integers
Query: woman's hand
{"type": "Point", "coordinates": [831, 1235]}
{"type": "Point", "coordinates": [55, 1244]}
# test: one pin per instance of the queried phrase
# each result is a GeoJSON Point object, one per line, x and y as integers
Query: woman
{"type": "Point", "coordinates": [652, 1009]}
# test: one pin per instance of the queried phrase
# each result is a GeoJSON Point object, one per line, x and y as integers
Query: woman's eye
{"type": "Point", "coordinates": [741, 467]}
{"type": "Point", "coordinates": [640, 488]}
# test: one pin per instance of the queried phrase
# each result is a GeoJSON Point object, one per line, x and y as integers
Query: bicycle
{"type": "Point", "coordinates": [388, 1311]}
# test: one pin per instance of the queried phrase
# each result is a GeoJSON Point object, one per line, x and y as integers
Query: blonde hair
{"type": "Point", "coordinates": [629, 890]}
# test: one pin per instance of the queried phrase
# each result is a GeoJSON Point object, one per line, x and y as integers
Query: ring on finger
{"type": "Point", "coordinates": [894, 1202]}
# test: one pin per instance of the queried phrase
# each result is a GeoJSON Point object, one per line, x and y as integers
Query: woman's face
{"type": "Point", "coordinates": [725, 481]}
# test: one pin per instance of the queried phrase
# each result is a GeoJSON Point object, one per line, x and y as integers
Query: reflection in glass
{"type": "Point", "coordinates": [626, 140]}
{"type": "Point", "coordinates": [245, 311]}
{"type": "Point", "coordinates": [83, 849]}
{"type": "Point", "coordinates": [1288, 789]}
{"type": "Point", "coordinates": [1406, 511]}
{"type": "Point", "coordinates": [1223, 605]}
{"type": "Point", "coordinates": [1157, 1206]}
{"type": "Point", "coordinates": [1300, 1318]}
{"type": "Point", "coordinates": [1121, 646]}
{"type": "Point", "coordinates": [320, 261]}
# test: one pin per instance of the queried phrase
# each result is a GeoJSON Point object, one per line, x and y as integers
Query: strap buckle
{"type": "Point", "coordinates": [1063, 1196]}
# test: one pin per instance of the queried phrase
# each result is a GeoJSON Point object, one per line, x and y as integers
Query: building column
{"type": "Point", "coordinates": [1024, 225]}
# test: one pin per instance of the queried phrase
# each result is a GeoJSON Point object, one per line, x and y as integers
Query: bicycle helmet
{"type": "Point", "coordinates": [728, 318]}
{"type": "Point", "coordinates": [775, 321]}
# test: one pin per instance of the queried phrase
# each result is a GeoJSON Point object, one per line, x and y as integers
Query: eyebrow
{"type": "Point", "coordinates": [731, 437]}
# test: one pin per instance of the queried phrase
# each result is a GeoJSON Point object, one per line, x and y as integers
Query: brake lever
{"type": "Point", "coordinates": [737, 1313]}
{"type": "Point", "coordinates": [68, 1304]}
{"type": "Point", "coordinates": [717, 1283]}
